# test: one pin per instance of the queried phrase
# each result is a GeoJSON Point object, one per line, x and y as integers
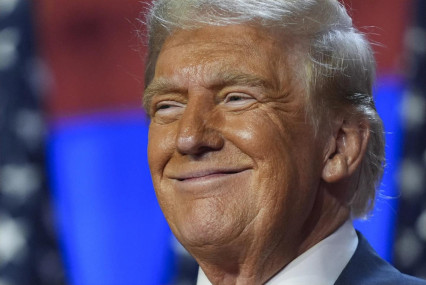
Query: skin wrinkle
{"type": "Point", "coordinates": [226, 77]}
{"type": "Point", "coordinates": [243, 227]}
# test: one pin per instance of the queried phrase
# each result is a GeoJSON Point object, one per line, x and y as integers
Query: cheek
{"type": "Point", "coordinates": [278, 148]}
{"type": "Point", "coordinates": [160, 148]}
{"type": "Point", "coordinates": [257, 136]}
{"type": "Point", "coordinates": [270, 152]}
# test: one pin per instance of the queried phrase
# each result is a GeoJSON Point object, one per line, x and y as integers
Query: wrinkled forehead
{"type": "Point", "coordinates": [216, 50]}
{"type": "Point", "coordinates": [216, 56]}
{"type": "Point", "coordinates": [239, 34]}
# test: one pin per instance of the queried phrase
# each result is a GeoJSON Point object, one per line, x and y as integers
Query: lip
{"type": "Point", "coordinates": [206, 174]}
{"type": "Point", "coordinates": [209, 182]}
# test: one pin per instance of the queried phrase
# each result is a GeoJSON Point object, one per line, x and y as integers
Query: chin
{"type": "Point", "coordinates": [203, 228]}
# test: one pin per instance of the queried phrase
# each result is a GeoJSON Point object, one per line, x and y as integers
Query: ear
{"type": "Point", "coordinates": [346, 149]}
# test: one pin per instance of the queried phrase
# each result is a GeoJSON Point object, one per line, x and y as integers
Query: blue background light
{"type": "Point", "coordinates": [112, 229]}
{"type": "Point", "coordinates": [380, 227]}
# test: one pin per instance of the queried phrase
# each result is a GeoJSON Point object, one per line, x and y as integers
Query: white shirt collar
{"type": "Point", "coordinates": [320, 265]}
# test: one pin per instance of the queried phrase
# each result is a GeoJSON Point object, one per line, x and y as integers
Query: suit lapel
{"type": "Point", "coordinates": [366, 267]}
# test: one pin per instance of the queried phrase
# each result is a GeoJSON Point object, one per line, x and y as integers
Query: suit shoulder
{"type": "Point", "coordinates": [410, 280]}
{"type": "Point", "coordinates": [367, 268]}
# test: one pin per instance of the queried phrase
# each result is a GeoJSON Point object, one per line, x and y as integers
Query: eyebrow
{"type": "Point", "coordinates": [220, 80]}
{"type": "Point", "coordinates": [157, 86]}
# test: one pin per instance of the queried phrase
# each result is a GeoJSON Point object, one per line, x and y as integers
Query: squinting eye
{"type": "Point", "coordinates": [234, 98]}
{"type": "Point", "coordinates": [168, 107]}
{"type": "Point", "coordinates": [162, 107]}
{"type": "Point", "coordinates": [238, 98]}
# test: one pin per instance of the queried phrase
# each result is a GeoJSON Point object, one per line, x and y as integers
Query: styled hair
{"type": "Point", "coordinates": [338, 67]}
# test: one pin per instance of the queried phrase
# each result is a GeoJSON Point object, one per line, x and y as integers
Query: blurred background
{"type": "Point", "coordinates": [76, 200]}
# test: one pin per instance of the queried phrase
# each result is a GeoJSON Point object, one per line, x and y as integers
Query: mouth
{"type": "Point", "coordinates": [207, 174]}
{"type": "Point", "coordinates": [208, 182]}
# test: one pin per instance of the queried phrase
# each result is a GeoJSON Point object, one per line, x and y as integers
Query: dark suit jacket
{"type": "Point", "coordinates": [367, 268]}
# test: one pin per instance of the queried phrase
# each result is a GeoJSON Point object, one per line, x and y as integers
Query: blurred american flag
{"type": "Point", "coordinates": [28, 251]}
{"type": "Point", "coordinates": [410, 246]}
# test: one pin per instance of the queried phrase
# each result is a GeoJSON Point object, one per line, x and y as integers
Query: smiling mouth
{"type": "Point", "coordinates": [207, 182]}
{"type": "Point", "coordinates": [205, 175]}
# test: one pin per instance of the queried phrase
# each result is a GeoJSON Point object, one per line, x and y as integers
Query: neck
{"type": "Point", "coordinates": [256, 263]}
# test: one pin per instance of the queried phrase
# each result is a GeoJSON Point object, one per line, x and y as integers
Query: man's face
{"type": "Point", "coordinates": [232, 157]}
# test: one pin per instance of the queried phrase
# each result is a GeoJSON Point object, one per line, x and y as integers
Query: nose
{"type": "Point", "coordinates": [198, 131]}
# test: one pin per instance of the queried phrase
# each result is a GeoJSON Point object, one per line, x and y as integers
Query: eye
{"type": "Point", "coordinates": [168, 108]}
{"type": "Point", "coordinates": [238, 99]}
{"type": "Point", "coordinates": [163, 106]}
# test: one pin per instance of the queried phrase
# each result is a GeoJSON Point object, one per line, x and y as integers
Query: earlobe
{"type": "Point", "coordinates": [348, 148]}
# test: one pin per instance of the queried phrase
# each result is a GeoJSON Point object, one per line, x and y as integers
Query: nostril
{"type": "Point", "coordinates": [199, 143]}
{"type": "Point", "coordinates": [196, 133]}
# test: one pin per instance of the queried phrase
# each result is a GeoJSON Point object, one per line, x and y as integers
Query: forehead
{"type": "Point", "coordinates": [210, 51]}
{"type": "Point", "coordinates": [238, 35]}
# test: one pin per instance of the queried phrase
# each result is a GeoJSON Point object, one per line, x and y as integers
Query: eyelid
{"type": "Point", "coordinates": [242, 95]}
{"type": "Point", "coordinates": [165, 99]}
{"type": "Point", "coordinates": [170, 103]}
